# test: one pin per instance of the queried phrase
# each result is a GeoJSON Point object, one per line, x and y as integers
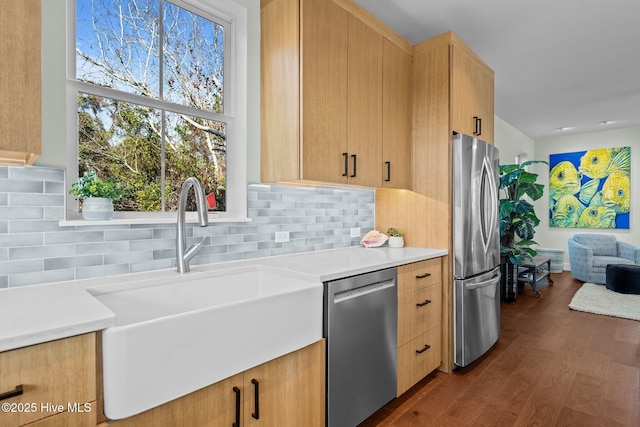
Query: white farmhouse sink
{"type": "Point", "coordinates": [185, 332]}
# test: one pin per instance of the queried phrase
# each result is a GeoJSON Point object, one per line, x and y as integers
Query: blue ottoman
{"type": "Point", "coordinates": [623, 278]}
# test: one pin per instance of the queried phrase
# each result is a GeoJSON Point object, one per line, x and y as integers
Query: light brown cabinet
{"type": "Point", "coordinates": [451, 86]}
{"type": "Point", "coordinates": [287, 391]}
{"type": "Point", "coordinates": [471, 95]}
{"type": "Point", "coordinates": [57, 381]}
{"type": "Point", "coordinates": [397, 98]}
{"type": "Point", "coordinates": [324, 92]}
{"type": "Point", "coordinates": [364, 104]}
{"type": "Point", "coordinates": [290, 390]}
{"type": "Point", "coordinates": [454, 92]}
{"type": "Point", "coordinates": [419, 321]}
{"type": "Point", "coordinates": [322, 101]}
{"type": "Point", "coordinates": [20, 82]}
{"type": "Point", "coordinates": [211, 406]}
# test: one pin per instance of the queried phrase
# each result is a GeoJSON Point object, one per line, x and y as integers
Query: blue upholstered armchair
{"type": "Point", "coordinates": [589, 255]}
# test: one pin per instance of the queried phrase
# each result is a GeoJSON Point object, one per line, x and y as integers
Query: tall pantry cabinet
{"type": "Point", "coordinates": [328, 74]}
{"type": "Point", "coordinates": [452, 91]}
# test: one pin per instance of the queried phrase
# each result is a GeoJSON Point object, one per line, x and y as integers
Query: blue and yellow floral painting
{"type": "Point", "coordinates": [590, 189]}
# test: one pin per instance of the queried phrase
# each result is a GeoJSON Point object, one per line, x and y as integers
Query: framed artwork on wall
{"type": "Point", "coordinates": [590, 189]}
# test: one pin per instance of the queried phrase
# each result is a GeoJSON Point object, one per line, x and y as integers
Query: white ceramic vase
{"type": "Point", "coordinates": [396, 241]}
{"type": "Point", "coordinates": [97, 209]}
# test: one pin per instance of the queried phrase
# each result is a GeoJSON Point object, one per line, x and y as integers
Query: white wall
{"type": "Point", "coordinates": [557, 237]}
{"type": "Point", "coordinates": [511, 142]}
{"type": "Point", "coordinates": [54, 86]}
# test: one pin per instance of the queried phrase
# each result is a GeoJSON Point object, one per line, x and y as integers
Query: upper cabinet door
{"type": "Point", "coordinates": [396, 116]}
{"type": "Point", "coordinates": [463, 92]}
{"type": "Point", "coordinates": [471, 96]}
{"type": "Point", "coordinates": [484, 80]}
{"type": "Point", "coordinates": [324, 91]}
{"type": "Point", "coordinates": [364, 104]}
{"type": "Point", "coordinates": [20, 82]}
{"type": "Point", "coordinates": [280, 91]}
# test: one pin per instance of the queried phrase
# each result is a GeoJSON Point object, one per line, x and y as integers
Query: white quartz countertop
{"type": "Point", "coordinates": [35, 314]}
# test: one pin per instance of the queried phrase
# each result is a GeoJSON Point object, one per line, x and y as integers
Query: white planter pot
{"type": "Point", "coordinates": [396, 242]}
{"type": "Point", "coordinates": [97, 209]}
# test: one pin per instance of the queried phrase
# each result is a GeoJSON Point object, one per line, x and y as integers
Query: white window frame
{"type": "Point", "coordinates": [235, 114]}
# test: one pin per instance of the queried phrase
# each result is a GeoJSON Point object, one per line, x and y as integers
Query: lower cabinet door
{"type": "Point", "coordinates": [212, 406]}
{"type": "Point", "coordinates": [42, 381]}
{"type": "Point", "coordinates": [288, 391]}
{"type": "Point", "coordinates": [418, 357]}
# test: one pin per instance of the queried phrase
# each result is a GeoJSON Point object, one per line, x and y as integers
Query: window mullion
{"type": "Point", "coordinates": [163, 164]}
{"type": "Point", "coordinates": [147, 102]}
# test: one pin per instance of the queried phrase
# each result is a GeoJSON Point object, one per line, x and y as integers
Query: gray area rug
{"type": "Point", "coordinates": [600, 300]}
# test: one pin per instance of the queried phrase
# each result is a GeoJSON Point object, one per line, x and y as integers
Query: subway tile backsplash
{"type": "Point", "coordinates": [35, 249]}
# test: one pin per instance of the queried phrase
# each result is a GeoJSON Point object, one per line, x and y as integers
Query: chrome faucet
{"type": "Point", "coordinates": [183, 255]}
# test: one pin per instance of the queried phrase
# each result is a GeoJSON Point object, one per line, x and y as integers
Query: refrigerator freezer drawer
{"type": "Point", "coordinates": [476, 316]}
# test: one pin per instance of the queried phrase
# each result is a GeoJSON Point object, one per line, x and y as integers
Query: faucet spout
{"type": "Point", "coordinates": [183, 255]}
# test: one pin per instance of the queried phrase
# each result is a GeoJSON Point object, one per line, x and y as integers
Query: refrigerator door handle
{"type": "Point", "coordinates": [488, 204]}
{"type": "Point", "coordinates": [482, 284]}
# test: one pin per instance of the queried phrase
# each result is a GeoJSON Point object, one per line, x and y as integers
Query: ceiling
{"type": "Point", "coordinates": [558, 64]}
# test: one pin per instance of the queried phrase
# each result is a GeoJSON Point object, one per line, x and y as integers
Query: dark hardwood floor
{"type": "Point", "coordinates": [552, 366]}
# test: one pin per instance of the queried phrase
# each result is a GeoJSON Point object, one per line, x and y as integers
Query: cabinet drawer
{"type": "Point", "coordinates": [70, 419]}
{"type": "Point", "coordinates": [416, 360]}
{"type": "Point", "coordinates": [57, 373]}
{"type": "Point", "coordinates": [418, 311]}
{"type": "Point", "coordinates": [419, 275]}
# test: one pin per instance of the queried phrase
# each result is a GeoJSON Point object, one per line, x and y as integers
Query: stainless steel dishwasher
{"type": "Point", "coordinates": [361, 328]}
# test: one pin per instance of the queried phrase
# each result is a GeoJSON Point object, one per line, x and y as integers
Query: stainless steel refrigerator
{"type": "Point", "coordinates": [476, 248]}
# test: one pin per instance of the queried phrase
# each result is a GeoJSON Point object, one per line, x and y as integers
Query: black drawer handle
{"type": "Point", "coordinates": [236, 390]}
{"type": "Point", "coordinates": [346, 164]}
{"type": "Point", "coordinates": [422, 276]}
{"type": "Point", "coordinates": [422, 304]}
{"type": "Point", "coordinates": [355, 160]}
{"type": "Point", "coordinates": [388, 171]}
{"type": "Point", "coordinates": [477, 125]}
{"type": "Point", "coordinates": [256, 397]}
{"type": "Point", "coordinates": [426, 347]}
{"type": "Point", "coordinates": [13, 393]}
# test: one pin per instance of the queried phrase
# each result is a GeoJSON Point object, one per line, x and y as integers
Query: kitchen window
{"type": "Point", "coordinates": [157, 93]}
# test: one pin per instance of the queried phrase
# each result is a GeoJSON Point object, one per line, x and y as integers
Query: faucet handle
{"type": "Point", "coordinates": [194, 249]}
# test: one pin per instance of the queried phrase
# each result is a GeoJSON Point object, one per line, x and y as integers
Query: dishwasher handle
{"type": "Point", "coordinates": [363, 290]}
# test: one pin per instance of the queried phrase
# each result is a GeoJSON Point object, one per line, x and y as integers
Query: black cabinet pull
{"type": "Point", "coordinates": [388, 171]}
{"type": "Point", "coordinates": [256, 397]}
{"type": "Point", "coordinates": [354, 157]}
{"type": "Point", "coordinates": [422, 276]}
{"type": "Point", "coordinates": [346, 164]}
{"type": "Point", "coordinates": [236, 390]}
{"type": "Point", "coordinates": [426, 347]}
{"type": "Point", "coordinates": [477, 125]}
{"type": "Point", "coordinates": [422, 304]}
{"type": "Point", "coordinates": [13, 393]}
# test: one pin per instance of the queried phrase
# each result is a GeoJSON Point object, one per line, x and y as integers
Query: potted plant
{"type": "Point", "coordinates": [395, 238]}
{"type": "Point", "coordinates": [97, 196]}
{"type": "Point", "coordinates": [517, 218]}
